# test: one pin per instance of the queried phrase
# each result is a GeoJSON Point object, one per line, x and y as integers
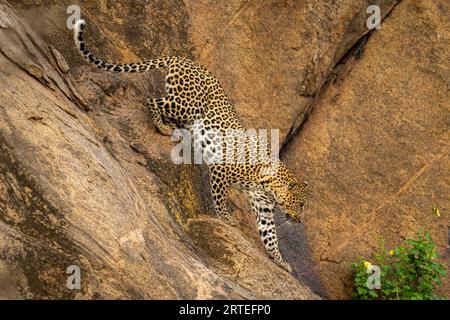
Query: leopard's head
{"type": "Point", "coordinates": [286, 189]}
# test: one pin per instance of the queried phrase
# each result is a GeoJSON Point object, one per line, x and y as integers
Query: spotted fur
{"type": "Point", "coordinates": [195, 99]}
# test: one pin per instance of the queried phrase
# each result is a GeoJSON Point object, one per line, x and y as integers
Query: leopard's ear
{"type": "Point", "coordinates": [266, 174]}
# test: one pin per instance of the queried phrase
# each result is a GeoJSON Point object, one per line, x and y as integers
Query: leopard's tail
{"type": "Point", "coordinates": [143, 66]}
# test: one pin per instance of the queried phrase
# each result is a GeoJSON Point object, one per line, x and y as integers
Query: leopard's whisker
{"type": "Point", "coordinates": [284, 226]}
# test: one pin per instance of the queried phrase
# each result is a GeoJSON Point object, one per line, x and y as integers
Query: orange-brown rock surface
{"type": "Point", "coordinates": [91, 189]}
{"type": "Point", "coordinates": [375, 149]}
{"type": "Point", "coordinates": [85, 178]}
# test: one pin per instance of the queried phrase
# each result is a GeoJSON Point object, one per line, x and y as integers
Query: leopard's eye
{"type": "Point", "coordinates": [292, 186]}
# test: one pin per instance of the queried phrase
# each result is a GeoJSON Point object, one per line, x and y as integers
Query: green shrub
{"type": "Point", "coordinates": [406, 272]}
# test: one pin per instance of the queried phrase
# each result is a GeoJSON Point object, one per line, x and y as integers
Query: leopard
{"type": "Point", "coordinates": [195, 100]}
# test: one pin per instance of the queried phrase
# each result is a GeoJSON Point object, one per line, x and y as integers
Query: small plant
{"type": "Point", "coordinates": [409, 272]}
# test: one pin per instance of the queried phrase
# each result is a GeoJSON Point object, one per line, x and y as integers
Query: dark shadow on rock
{"type": "Point", "coordinates": [295, 249]}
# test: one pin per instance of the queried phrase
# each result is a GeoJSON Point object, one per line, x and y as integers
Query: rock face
{"type": "Point", "coordinates": [97, 190]}
{"type": "Point", "coordinates": [376, 147]}
{"type": "Point", "coordinates": [86, 180]}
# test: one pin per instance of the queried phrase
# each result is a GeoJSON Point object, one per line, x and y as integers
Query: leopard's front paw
{"type": "Point", "coordinates": [232, 221]}
{"type": "Point", "coordinates": [286, 266]}
{"type": "Point", "coordinates": [229, 219]}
